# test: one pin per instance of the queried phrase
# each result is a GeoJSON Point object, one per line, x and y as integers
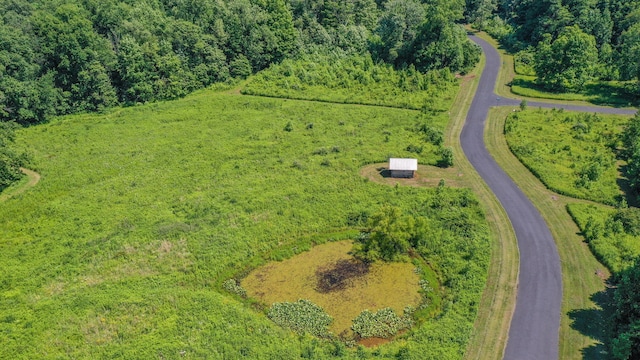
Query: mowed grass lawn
{"type": "Point", "coordinates": [117, 251]}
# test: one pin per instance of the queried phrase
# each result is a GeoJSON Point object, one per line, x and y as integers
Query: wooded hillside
{"type": "Point", "coordinates": [566, 43]}
{"type": "Point", "coordinates": [67, 56]}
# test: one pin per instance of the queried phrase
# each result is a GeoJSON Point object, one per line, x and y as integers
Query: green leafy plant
{"type": "Point", "coordinates": [384, 323]}
{"type": "Point", "coordinates": [301, 316]}
{"type": "Point", "coordinates": [232, 286]}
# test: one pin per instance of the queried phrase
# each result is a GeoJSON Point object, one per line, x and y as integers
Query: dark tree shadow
{"type": "Point", "coordinates": [595, 323]}
{"type": "Point", "coordinates": [625, 186]}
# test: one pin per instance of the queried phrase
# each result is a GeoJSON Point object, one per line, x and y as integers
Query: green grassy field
{"type": "Point", "coordinates": [612, 93]}
{"type": "Point", "coordinates": [573, 154]}
{"type": "Point", "coordinates": [140, 213]}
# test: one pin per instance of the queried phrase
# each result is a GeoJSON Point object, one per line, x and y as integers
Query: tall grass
{"type": "Point", "coordinates": [572, 154]}
{"type": "Point", "coordinates": [612, 241]}
{"type": "Point", "coordinates": [116, 252]}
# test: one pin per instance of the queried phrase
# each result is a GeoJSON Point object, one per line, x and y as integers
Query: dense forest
{"type": "Point", "coordinates": [67, 56]}
{"type": "Point", "coordinates": [566, 43]}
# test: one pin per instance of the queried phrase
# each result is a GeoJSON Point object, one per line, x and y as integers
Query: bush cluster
{"type": "Point", "coordinates": [232, 286]}
{"type": "Point", "coordinates": [355, 79]}
{"type": "Point", "coordinates": [384, 323]}
{"type": "Point", "coordinates": [301, 316]}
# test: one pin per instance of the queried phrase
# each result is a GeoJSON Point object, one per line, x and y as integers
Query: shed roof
{"type": "Point", "coordinates": [403, 164]}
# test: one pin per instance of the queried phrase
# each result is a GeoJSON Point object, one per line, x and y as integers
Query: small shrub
{"type": "Point", "coordinates": [232, 286]}
{"type": "Point", "coordinates": [414, 149]}
{"type": "Point", "coordinates": [446, 159]}
{"type": "Point", "coordinates": [288, 127]}
{"type": "Point", "coordinates": [320, 151]}
{"type": "Point", "coordinates": [384, 324]}
{"type": "Point", "coordinates": [302, 317]}
{"type": "Point", "coordinates": [432, 135]}
{"type": "Point", "coordinates": [309, 126]}
{"type": "Point", "coordinates": [357, 218]}
{"type": "Point", "coordinates": [523, 104]}
{"type": "Point", "coordinates": [325, 162]}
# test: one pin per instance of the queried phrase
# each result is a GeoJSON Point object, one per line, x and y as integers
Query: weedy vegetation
{"type": "Point", "coordinates": [356, 79]}
{"type": "Point", "coordinates": [143, 213]}
{"type": "Point", "coordinates": [574, 154]}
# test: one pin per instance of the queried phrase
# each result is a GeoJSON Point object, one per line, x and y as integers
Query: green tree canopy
{"type": "Point", "coordinates": [567, 62]}
{"type": "Point", "coordinates": [387, 237]}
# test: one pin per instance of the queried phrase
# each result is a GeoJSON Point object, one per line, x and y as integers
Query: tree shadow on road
{"type": "Point", "coordinates": [594, 322]}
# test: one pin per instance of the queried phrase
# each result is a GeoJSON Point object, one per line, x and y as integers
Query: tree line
{"type": "Point", "coordinates": [568, 42]}
{"type": "Point", "coordinates": [66, 56]}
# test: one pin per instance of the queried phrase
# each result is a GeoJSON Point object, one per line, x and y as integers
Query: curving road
{"type": "Point", "coordinates": [536, 320]}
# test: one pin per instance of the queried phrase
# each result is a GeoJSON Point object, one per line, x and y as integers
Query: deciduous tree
{"type": "Point", "coordinates": [567, 62]}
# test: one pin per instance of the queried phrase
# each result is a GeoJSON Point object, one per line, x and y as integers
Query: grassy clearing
{"type": "Point", "coordinates": [571, 153]}
{"type": "Point", "coordinates": [141, 213]}
{"type": "Point", "coordinates": [582, 329]}
{"type": "Point", "coordinates": [394, 285]}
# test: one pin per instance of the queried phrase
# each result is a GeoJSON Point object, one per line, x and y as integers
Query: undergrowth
{"type": "Point", "coordinates": [121, 247]}
{"type": "Point", "coordinates": [574, 154]}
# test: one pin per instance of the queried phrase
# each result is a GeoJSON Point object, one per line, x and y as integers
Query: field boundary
{"type": "Point", "coordinates": [32, 180]}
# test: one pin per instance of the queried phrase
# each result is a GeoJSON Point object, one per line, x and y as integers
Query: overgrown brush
{"type": "Point", "coordinates": [301, 316]}
{"type": "Point", "coordinates": [384, 323]}
{"type": "Point", "coordinates": [571, 153]}
{"type": "Point", "coordinates": [356, 80]}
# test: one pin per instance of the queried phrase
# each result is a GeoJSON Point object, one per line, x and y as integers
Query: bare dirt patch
{"type": "Point", "coordinates": [373, 342]}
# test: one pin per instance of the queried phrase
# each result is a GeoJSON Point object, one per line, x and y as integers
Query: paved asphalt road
{"type": "Point", "coordinates": [536, 321]}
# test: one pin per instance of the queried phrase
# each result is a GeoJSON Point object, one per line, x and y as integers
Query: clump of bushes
{"type": "Point", "coordinates": [384, 323]}
{"type": "Point", "coordinates": [232, 286]}
{"type": "Point", "coordinates": [447, 157]}
{"type": "Point", "coordinates": [301, 316]}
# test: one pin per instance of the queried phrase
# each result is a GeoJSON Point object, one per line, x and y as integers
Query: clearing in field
{"type": "Point", "coordinates": [343, 286]}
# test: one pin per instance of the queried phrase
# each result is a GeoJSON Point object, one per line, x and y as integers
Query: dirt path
{"type": "Point", "coordinates": [33, 179]}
